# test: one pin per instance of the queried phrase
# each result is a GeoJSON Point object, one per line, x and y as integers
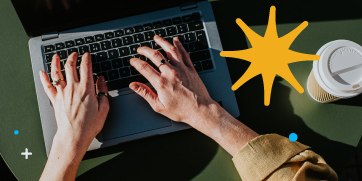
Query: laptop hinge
{"type": "Point", "coordinates": [50, 36]}
{"type": "Point", "coordinates": [189, 5]}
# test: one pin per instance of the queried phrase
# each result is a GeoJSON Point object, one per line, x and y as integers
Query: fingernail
{"type": "Point", "coordinates": [176, 39]}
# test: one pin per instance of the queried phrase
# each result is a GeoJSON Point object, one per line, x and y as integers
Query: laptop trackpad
{"type": "Point", "coordinates": [130, 114]}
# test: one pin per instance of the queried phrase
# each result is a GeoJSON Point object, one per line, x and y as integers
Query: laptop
{"type": "Point", "coordinates": [111, 31]}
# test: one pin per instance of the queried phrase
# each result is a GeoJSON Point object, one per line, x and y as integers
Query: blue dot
{"type": "Point", "coordinates": [16, 132]}
{"type": "Point", "coordinates": [293, 137]}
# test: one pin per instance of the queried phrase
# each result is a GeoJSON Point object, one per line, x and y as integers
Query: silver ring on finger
{"type": "Point", "coordinates": [54, 83]}
{"type": "Point", "coordinates": [102, 94]}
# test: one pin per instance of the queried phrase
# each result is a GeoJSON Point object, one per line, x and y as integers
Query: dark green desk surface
{"type": "Point", "coordinates": [332, 130]}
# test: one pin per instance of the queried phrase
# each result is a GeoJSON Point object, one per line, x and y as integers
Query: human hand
{"type": "Point", "coordinates": [80, 115]}
{"type": "Point", "coordinates": [180, 92]}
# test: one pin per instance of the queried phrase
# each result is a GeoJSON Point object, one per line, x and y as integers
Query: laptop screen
{"type": "Point", "coordinates": [43, 16]}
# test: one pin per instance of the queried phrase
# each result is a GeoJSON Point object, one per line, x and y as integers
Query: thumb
{"type": "Point", "coordinates": [103, 103]}
{"type": "Point", "coordinates": [145, 92]}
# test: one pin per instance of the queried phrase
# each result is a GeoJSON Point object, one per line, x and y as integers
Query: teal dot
{"type": "Point", "coordinates": [293, 137]}
{"type": "Point", "coordinates": [16, 132]}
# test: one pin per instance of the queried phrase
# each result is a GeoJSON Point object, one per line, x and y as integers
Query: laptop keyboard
{"type": "Point", "coordinates": [111, 52]}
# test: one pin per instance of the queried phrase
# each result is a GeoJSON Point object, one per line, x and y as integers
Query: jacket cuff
{"type": "Point", "coordinates": [264, 154]}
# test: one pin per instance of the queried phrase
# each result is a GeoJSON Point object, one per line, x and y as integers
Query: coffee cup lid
{"type": "Point", "coordinates": [339, 69]}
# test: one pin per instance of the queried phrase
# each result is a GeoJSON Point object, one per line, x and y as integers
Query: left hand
{"type": "Point", "coordinates": [80, 115]}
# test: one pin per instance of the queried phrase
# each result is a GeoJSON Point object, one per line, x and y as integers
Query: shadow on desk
{"type": "Point", "coordinates": [180, 156]}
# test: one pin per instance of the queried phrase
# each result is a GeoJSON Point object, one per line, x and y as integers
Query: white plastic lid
{"type": "Point", "coordinates": [339, 70]}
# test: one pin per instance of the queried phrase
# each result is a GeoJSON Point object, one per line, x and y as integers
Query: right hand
{"type": "Point", "coordinates": [181, 94]}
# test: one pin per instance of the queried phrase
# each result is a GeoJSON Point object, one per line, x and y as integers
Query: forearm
{"type": "Point", "coordinates": [64, 159]}
{"type": "Point", "coordinates": [218, 124]}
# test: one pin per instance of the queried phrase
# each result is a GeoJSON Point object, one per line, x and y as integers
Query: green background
{"type": "Point", "coordinates": [332, 130]}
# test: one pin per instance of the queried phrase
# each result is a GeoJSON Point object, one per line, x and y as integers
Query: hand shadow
{"type": "Point", "coordinates": [176, 156]}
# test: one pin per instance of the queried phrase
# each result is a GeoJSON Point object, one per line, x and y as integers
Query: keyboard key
{"type": "Point", "coordinates": [117, 63]}
{"type": "Point", "coordinates": [195, 26]}
{"type": "Point", "coordinates": [181, 38]}
{"type": "Point", "coordinates": [147, 27]}
{"type": "Point", "coordinates": [140, 57]}
{"type": "Point", "coordinates": [124, 72]}
{"type": "Point", "coordinates": [89, 39]}
{"type": "Point", "coordinates": [157, 24]}
{"type": "Point", "coordinates": [118, 33]}
{"type": "Point", "coordinates": [62, 63]}
{"type": "Point", "coordinates": [167, 22]}
{"type": "Point", "coordinates": [48, 67]}
{"type": "Point", "coordinates": [201, 42]}
{"type": "Point", "coordinates": [170, 31]}
{"type": "Point", "coordinates": [169, 39]}
{"type": "Point", "coordinates": [105, 66]}
{"type": "Point", "coordinates": [146, 44]}
{"type": "Point", "coordinates": [79, 41]}
{"type": "Point", "coordinates": [105, 45]}
{"type": "Point", "coordinates": [126, 61]}
{"type": "Point", "coordinates": [202, 55]}
{"type": "Point", "coordinates": [94, 47]}
{"type": "Point", "coordinates": [189, 37]}
{"type": "Point", "coordinates": [138, 29]}
{"type": "Point", "coordinates": [181, 28]}
{"type": "Point", "coordinates": [127, 40]}
{"type": "Point", "coordinates": [124, 51]}
{"type": "Point", "coordinates": [49, 48]}
{"type": "Point", "coordinates": [187, 18]}
{"type": "Point", "coordinates": [155, 45]}
{"type": "Point", "coordinates": [197, 66]}
{"type": "Point", "coordinates": [133, 48]}
{"type": "Point", "coordinates": [83, 49]}
{"type": "Point", "coordinates": [176, 20]}
{"type": "Point", "coordinates": [134, 71]}
{"type": "Point", "coordinates": [112, 54]}
{"type": "Point", "coordinates": [102, 56]}
{"type": "Point", "coordinates": [160, 32]}
{"type": "Point", "coordinates": [113, 74]}
{"type": "Point", "coordinates": [186, 47]}
{"type": "Point", "coordinates": [116, 43]}
{"type": "Point", "coordinates": [59, 46]}
{"type": "Point", "coordinates": [93, 58]}
{"type": "Point", "coordinates": [69, 44]}
{"type": "Point", "coordinates": [149, 35]}
{"type": "Point", "coordinates": [79, 60]}
{"type": "Point", "coordinates": [207, 65]}
{"type": "Point", "coordinates": [196, 16]}
{"type": "Point", "coordinates": [128, 31]}
{"type": "Point", "coordinates": [71, 50]}
{"type": "Point", "coordinates": [62, 54]}
{"type": "Point", "coordinates": [98, 37]}
{"type": "Point", "coordinates": [138, 38]}
{"type": "Point", "coordinates": [108, 35]}
{"type": "Point", "coordinates": [96, 68]}
{"type": "Point", "coordinates": [104, 74]}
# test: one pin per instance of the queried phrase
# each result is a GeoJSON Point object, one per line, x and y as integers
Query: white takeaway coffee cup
{"type": "Point", "coordinates": [338, 73]}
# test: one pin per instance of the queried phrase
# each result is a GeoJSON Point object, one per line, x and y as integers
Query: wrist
{"type": "Point", "coordinates": [69, 147]}
{"type": "Point", "coordinates": [205, 112]}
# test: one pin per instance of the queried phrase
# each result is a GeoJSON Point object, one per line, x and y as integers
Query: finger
{"type": "Point", "coordinates": [172, 53]}
{"type": "Point", "coordinates": [56, 72]}
{"type": "Point", "coordinates": [48, 87]}
{"type": "Point", "coordinates": [185, 57]}
{"type": "Point", "coordinates": [145, 69]}
{"type": "Point", "coordinates": [86, 75]}
{"type": "Point", "coordinates": [147, 93]}
{"type": "Point", "coordinates": [71, 68]}
{"type": "Point", "coordinates": [155, 56]}
{"type": "Point", "coordinates": [103, 102]}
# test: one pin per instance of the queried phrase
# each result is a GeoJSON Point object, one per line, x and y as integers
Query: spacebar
{"type": "Point", "coordinates": [124, 83]}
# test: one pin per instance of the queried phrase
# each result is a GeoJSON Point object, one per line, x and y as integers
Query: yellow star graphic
{"type": "Point", "coordinates": [269, 55]}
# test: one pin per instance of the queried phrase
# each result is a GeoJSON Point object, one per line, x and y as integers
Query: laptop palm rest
{"type": "Point", "coordinates": [131, 114]}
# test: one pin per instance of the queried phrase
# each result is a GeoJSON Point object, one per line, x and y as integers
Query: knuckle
{"type": "Point", "coordinates": [143, 66]}
{"type": "Point", "coordinates": [55, 73]}
{"type": "Point", "coordinates": [161, 82]}
{"type": "Point", "coordinates": [157, 109]}
{"type": "Point", "coordinates": [174, 73]}
{"type": "Point", "coordinates": [69, 65]}
{"type": "Point", "coordinates": [173, 49]}
{"type": "Point", "coordinates": [156, 53]}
